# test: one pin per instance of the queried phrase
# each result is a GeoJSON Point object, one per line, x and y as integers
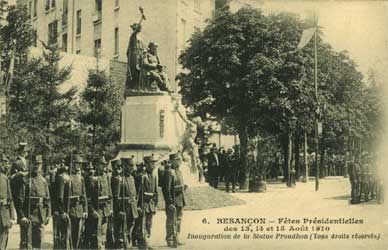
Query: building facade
{"type": "Point", "coordinates": [101, 28]}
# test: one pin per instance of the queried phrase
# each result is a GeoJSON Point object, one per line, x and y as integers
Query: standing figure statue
{"type": "Point", "coordinates": [135, 54]}
{"type": "Point", "coordinates": [188, 141]}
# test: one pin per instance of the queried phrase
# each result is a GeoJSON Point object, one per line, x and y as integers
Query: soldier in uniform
{"type": "Point", "coordinates": [72, 203]}
{"type": "Point", "coordinates": [33, 206]}
{"type": "Point", "coordinates": [175, 200]}
{"type": "Point", "coordinates": [354, 172]}
{"type": "Point", "coordinates": [231, 175]}
{"type": "Point", "coordinates": [99, 193]}
{"type": "Point", "coordinates": [7, 216]}
{"type": "Point", "coordinates": [124, 202]}
{"type": "Point", "coordinates": [58, 176]}
{"type": "Point", "coordinates": [147, 201]}
{"type": "Point", "coordinates": [19, 169]}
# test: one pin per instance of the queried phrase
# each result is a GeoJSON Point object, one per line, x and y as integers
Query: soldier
{"type": "Point", "coordinates": [354, 178]}
{"type": "Point", "coordinates": [230, 174]}
{"type": "Point", "coordinates": [99, 193]}
{"type": "Point", "coordinates": [18, 170]}
{"type": "Point", "coordinates": [147, 201]}
{"type": "Point", "coordinates": [33, 206]}
{"type": "Point", "coordinates": [72, 202]}
{"type": "Point", "coordinates": [174, 188]}
{"type": "Point", "coordinates": [7, 216]}
{"type": "Point", "coordinates": [61, 237]}
{"type": "Point", "coordinates": [124, 202]}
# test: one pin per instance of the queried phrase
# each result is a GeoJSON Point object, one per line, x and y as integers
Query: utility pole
{"type": "Point", "coordinates": [316, 139]}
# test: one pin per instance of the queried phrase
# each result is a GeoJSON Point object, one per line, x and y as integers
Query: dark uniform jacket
{"type": "Point", "coordinates": [174, 188]}
{"type": "Point", "coordinates": [148, 192]}
{"type": "Point", "coordinates": [6, 204]}
{"type": "Point", "coordinates": [213, 164]}
{"type": "Point", "coordinates": [99, 193]}
{"type": "Point", "coordinates": [73, 185]}
{"type": "Point", "coordinates": [35, 200]}
{"type": "Point", "coordinates": [15, 179]}
{"type": "Point", "coordinates": [126, 184]}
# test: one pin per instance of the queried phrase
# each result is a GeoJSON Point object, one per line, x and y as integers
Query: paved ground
{"type": "Point", "coordinates": [331, 201]}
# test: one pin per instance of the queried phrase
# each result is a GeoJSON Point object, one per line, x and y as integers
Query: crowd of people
{"type": "Point", "coordinates": [366, 183]}
{"type": "Point", "coordinates": [93, 203]}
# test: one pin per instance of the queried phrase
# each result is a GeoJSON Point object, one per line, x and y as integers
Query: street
{"type": "Point", "coordinates": [279, 206]}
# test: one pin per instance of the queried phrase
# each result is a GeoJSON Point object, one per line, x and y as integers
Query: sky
{"type": "Point", "coordinates": [360, 27]}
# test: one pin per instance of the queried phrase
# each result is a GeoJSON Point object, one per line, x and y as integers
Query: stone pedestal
{"type": "Point", "coordinates": [150, 124]}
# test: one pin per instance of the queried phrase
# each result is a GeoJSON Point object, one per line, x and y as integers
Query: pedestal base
{"type": "Point", "coordinates": [150, 125]}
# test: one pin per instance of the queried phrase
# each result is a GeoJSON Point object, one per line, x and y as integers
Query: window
{"type": "Point", "coordinates": [65, 12]}
{"type": "Point", "coordinates": [52, 4]}
{"type": "Point", "coordinates": [97, 47]}
{"type": "Point", "coordinates": [47, 6]}
{"type": "Point", "coordinates": [53, 32]}
{"type": "Point", "coordinates": [79, 22]}
{"type": "Point", "coordinates": [98, 5]}
{"type": "Point", "coordinates": [116, 51]}
{"type": "Point", "coordinates": [65, 6]}
{"type": "Point", "coordinates": [64, 42]}
{"type": "Point", "coordinates": [35, 13]}
{"type": "Point", "coordinates": [117, 3]}
{"type": "Point", "coordinates": [197, 4]}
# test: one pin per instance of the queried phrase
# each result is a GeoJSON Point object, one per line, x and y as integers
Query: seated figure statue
{"type": "Point", "coordinates": [155, 76]}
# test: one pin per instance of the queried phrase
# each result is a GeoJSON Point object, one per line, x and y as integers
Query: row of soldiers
{"type": "Point", "coordinates": [365, 182]}
{"type": "Point", "coordinates": [91, 207]}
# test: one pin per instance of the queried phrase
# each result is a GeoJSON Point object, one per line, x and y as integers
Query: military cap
{"type": "Point", "coordinates": [38, 159]}
{"type": "Point", "coordinates": [116, 163]}
{"type": "Point", "coordinates": [150, 158]}
{"type": "Point", "coordinates": [153, 44]}
{"type": "Point", "coordinates": [175, 156]}
{"type": "Point", "coordinates": [128, 161]}
{"type": "Point", "coordinates": [100, 160]}
{"type": "Point", "coordinates": [22, 147]}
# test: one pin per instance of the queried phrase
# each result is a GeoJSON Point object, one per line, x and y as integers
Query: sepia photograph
{"type": "Point", "coordinates": [193, 124]}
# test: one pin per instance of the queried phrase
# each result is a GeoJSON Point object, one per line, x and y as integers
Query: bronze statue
{"type": "Point", "coordinates": [156, 78]}
{"type": "Point", "coordinates": [135, 53]}
{"type": "Point", "coordinates": [144, 71]}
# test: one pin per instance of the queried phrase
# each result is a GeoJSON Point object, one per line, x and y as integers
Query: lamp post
{"type": "Point", "coordinates": [291, 169]}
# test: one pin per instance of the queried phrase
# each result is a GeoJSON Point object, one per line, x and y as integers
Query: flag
{"type": "Point", "coordinates": [306, 37]}
{"type": "Point", "coordinates": [308, 33]}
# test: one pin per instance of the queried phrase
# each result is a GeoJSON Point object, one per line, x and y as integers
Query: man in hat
{"type": "Point", "coordinates": [19, 170]}
{"type": "Point", "coordinates": [213, 166]}
{"type": "Point", "coordinates": [72, 203]}
{"type": "Point", "coordinates": [33, 206]}
{"type": "Point", "coordinates": [135, 52]}
{"type": "Point", "coordinates": [147, 201]}
{"type": "Point", "coordinates": [230, 171]}
{"type": "Point", "coordinates": [98, 190]}
{"type": "Point", "coordinates": [124, 202]}
{"type": "Point", "coordinates": [175, 200]}
{"type": "Point", "coordinates": [154, 70]}
{"type": "Point", "coordinates": [7, 216]}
